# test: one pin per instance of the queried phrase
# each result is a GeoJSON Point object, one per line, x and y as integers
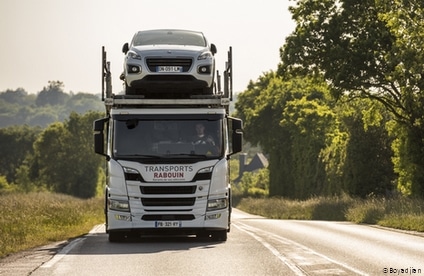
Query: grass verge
{"type": "Point", "coordinates": [400, 213]}
{"type": "Point", "coordinates": [34, 219]}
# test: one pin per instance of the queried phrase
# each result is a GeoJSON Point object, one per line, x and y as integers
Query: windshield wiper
{"type": "Point", "coordinates": [140, 156]}
{"type": "Point", "coordinates": [188, 154]}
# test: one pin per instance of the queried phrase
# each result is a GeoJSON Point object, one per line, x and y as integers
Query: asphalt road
{"type": "Point", "coordinates": [255, 246]}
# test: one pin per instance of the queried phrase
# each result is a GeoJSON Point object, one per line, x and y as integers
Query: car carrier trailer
{"type": "Point", "coordinates": [167, 161]}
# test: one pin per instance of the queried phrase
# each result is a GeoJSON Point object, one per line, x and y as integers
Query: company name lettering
{"type": "Point", "coordinates": [169, 168]}
{"type": "Point", "coordinates": [168, 175]}
{"type": "Point", "coordinates": [168, 172]}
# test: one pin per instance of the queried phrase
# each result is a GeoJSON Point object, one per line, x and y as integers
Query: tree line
{"type": "Point", "coordinates": [344, 111]}
{"type": "Point", "coordinates": [47, 141]}
{"type": "Point", "coordinates": [49, 105]}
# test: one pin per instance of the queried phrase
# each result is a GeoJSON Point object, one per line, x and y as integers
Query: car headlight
{"type": "Point", "coordinates": [205, 55]}
{"type": "Point", "coordinates": [119, 205]}
{"type": "Point", "coordinates": [134, 55]}
{"type": "Point", "coordinates": [216, 204]}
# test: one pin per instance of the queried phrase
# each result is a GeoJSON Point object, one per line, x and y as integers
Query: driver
{"type": "Point", "coordinates": [201, 138]}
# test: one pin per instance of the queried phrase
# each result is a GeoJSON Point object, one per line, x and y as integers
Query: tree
{"type": "Point", "coordinates": [17, 144]}
{"type": "Point", "coordinates": [367, 168]}
{"type": "Point", "coordinates": [371, 49]}
{"type": "Point", "coordinates": [297, 117]}
{"type": "Point", "coordinates": [18, 96]}
{"type": "Point", "coordinates": [52, 94]}
{"type": "Point", "coordinates": [64, 159]}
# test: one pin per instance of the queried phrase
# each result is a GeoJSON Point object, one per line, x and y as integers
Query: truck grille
{"type": "Point", "coordinates": [173, 190]}
{"type": "Point", "coordinates": [168, 217]}
{"type": "Point", "coordinates": [185, 63]}
{"type": "Point", "coordinates": [168, 201]}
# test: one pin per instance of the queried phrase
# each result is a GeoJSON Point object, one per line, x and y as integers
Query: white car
{"type": "Point", "coordinates": [169, 61]}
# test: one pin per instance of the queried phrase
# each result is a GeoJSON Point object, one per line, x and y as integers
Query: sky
{"type": "Point", "coordinates": [61, 40]}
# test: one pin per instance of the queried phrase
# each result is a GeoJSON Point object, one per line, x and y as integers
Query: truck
{"type": "Point", "coordinates": [167, 161]}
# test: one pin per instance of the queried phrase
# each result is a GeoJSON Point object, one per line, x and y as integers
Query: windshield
{"type": "Point", "coordinates": [169, 37]}
{"type": "Point", "coordinates": [141, 138]}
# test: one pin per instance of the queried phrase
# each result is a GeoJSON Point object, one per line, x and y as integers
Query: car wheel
{"type": "Point", "coordinates": [130, 90]}
{"type": "Point", "coordinates": [208, 90]}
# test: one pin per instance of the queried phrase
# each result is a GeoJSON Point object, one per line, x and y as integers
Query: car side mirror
{"type": "Point", "coordinates": [125, 48]}
{"type": "Point", "coordinates": [213, 49]}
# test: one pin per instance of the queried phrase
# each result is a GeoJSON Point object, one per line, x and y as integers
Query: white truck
{"type": "Point", "coordinates": [167, 162]}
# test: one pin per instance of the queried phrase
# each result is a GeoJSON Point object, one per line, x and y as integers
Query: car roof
{"type": "Point", "coordinates": [169, 36]}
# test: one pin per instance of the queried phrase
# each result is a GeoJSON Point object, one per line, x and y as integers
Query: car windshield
{"type": "Point", "coordinates": [140, 138]}
{"type": "Point", "coordinates": [169, 37]}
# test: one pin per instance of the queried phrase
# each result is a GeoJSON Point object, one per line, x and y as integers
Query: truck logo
{"type": "Point", "coordinates": [167, 172]}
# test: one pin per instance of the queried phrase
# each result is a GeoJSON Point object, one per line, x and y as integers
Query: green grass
{"type": "Point", "coordinates": [400, 213]}
{"type": "Point", "coordinates": [34, 219]}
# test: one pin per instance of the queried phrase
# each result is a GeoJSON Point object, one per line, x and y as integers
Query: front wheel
{"type": "Point", "coordinates": [116, 236]}
{"type": "Point", "coordinates": [220, 235]}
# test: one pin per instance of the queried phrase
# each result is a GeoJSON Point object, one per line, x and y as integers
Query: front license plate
{"type": "Point", "coordinates": [168, 224]}
{"type": "Point", "coordinates": [169, 69]}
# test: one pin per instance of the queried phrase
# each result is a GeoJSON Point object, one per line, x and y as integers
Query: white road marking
{"type": "Point", "coordinates": [62, 253]}
{"type": "Point", "coordinates": [306, 257]}
{"type": "Point", "coordinates": [298, 271]}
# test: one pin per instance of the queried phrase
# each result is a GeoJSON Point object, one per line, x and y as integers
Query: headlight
{"type": "Point", "coordinates": [205, 55]}
{"type": "Point", "coordinates": [206, 170]}
{"type": "Point", "coordinates": [134, 55]}
{"type": "Point", "coordinates": [130, 170]}
{"type": "Point", "coordinates": [119, 205]}
{"type": "Point", "coordinates": [216, 204]}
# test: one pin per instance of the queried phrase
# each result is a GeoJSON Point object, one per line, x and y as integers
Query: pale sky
{"type": "Point", "coordinates": [43, 40]}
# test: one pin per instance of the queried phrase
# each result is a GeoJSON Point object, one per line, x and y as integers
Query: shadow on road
{"type": "Point", "coordinates": [97, 243]}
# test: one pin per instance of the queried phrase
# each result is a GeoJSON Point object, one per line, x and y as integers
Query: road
{"type": "Point", "coordinates": [255, 246]}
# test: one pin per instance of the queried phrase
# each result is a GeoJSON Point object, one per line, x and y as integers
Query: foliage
{"type": "Point", "coordinates": [367, 167]}
{"type": "Point", "coordinates": [63, 157]}
{"type": "Point", "coordinates": [298, 115]}
{"type": "Point", "coordinates": [6, 187]}
{"type": "Point", "coordinates": [52, 94]}
{"type": "Point", "coordinates": [19, 141]}
{"type": "Point", "coordinates": [254, 184]}
{"type": "Point", "coordinates": [371, 49]}
{"type": "Point", "coordinates": [34, 219]}
{"type": "Point", "coordinates": [399, 212]}
{"type": "Point", "coordinates": [50, 105]}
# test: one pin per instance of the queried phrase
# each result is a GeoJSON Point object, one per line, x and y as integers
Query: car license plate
{"type": "Point", "coordinates": [169, 69]}
{"type": "Point", "coordinates": [168, 224]}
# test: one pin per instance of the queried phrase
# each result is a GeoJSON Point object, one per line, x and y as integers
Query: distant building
{"type": "Point", "coordinates": [258, 161]}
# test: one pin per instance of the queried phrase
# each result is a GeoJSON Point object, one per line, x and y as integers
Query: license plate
{"type": "Point", "coordinates": [168, 224]}
{"type": "Point", "coordinates": [169, 69]}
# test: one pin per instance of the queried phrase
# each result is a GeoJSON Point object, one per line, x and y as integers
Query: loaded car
{"type": "Point", "coordinates": [169, 61]}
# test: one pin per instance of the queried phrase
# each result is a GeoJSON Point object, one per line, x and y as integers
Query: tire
{"type": "Point", "coordinates": [220, 235]}
{"type": "Point", "coordinates": [203, 235]}
{"type": "Point", "coordinates": [116, 236]}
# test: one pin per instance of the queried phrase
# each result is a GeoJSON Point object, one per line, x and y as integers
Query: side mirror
{"type": "Point", "coordinates": [213, 49]}
{"type": "Point", "coordinates": [125, 48]}
{"type": "Point", "coordinates": [236, 135]}
{"type": "Point", "coordinates": [99, 140]}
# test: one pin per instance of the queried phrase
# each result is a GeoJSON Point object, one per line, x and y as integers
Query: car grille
{"type": "Point", "coordinates": [185, 63]}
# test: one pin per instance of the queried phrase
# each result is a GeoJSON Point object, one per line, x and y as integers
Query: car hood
{"type": "Point", "coordinates": [169, 50]}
